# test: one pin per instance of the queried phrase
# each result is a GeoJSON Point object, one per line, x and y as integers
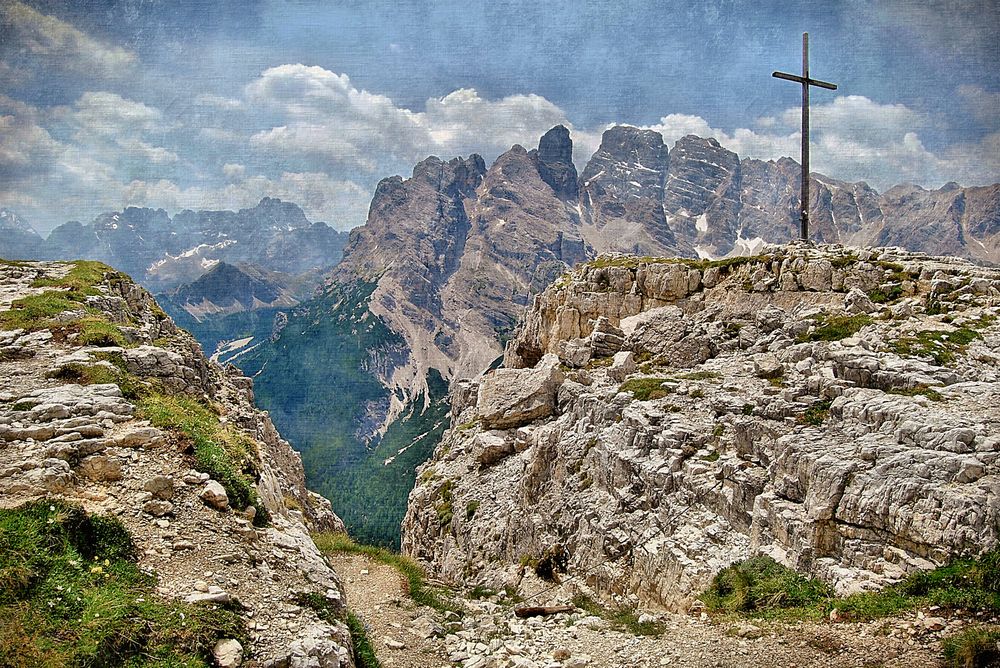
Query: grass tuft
{"type": "Point", "coordinates": [83, 278]}
{"type": "Point", "coordinates": [222, 451]}
{"type": "Point", "coordinates": [978, 647]}
{"type": "Point", "coordinates": [816, 414]}
{"type": "Point", "coordinates": [623, 619]}
{"type": "Point", "coordinates": [364, 653]}
{"type": "Point", "coordinates": [763, 587]}
{"type": "Point", "coordinates": [71, 594]}
{"type": "Point", "coordinates": [646, 389]}
{"type": "Point", "coordinates": [761, 583]}
{"type": "Point", "coordinates": [835, 328]}
{"type": "Point", "coordinates": [942, 347]}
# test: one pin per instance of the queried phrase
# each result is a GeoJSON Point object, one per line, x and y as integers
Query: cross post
{"type": "Point", "coordinates": [806, 82]}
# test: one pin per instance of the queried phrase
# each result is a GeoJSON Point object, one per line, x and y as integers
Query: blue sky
{"type": "Point", "coordinates": [196, 104]}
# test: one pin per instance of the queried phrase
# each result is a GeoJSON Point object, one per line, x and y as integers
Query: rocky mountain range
{"type": "Point", "coordinates": [432, 285]}
{"type": "Point", "coordinates": [163, 253]}
{"type": "Point", "coordinates": [657, 419]}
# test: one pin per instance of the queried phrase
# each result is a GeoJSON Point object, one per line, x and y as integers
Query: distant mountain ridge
{"type": "Point", "coordinates": [434, 282]}
{"type": "Point", "coordinates": [163, 253]}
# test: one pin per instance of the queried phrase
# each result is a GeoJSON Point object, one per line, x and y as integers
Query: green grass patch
{"type": "Point", "coordinates": [886, 294]}
{"type": "Point", "coordinates": [816, 414]}
{"type": "Point", "coordinates": [36, 311]}
{"type": "Point", "coordinates": [416, 582]}
{"type": "Point", "coordinates": [83, 278]}
{"type": "Point", "coordinates": [40, 311]}
{"type": "Point", "coordinates": [978, 647]}
{"type": "Point", "coordinates": [762, 587]}
{"type": "Point", "coordinates": [940, 346]}
{"type": "Point", "coordinates": [923, 390]}
{"type": "Point", "coordinates": [835, 328]}
{"type": "Point", "coordinates": [96, 331]}
{"type": "Point", "coordinates": [222, 451]}
{"type": "Point", "coordinates": [364, 653]}
{"type": "Point", "coordinates": [646, 389]}
{"type": "Point", "coordinates": [622, 619]}
{"type": "Point", "coordinates": [71, 594]}
{"type": "Point", "coordinates": [843, 261]}
{"type": "Point", "coordinates": [761, 583]}
{"type": "Point", "coordinates": [470, 509]}
{"type": "Point", "coordinates": [443, 507]}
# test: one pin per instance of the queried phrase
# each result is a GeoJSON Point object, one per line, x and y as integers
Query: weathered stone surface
{"type": "Point", "coordinates": [510, 398]}
{"type": "Point", "coordinates": [858, 460]}
{"type": "Point", "coordinates": [228, 653]}
{"type": "Point", "coordinates": [214, 494]}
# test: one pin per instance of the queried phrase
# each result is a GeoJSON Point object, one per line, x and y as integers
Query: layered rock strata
{"type": "Point", "coordinates": [838, 409]}
{"type": "Point", "coordinates": [67, 433]}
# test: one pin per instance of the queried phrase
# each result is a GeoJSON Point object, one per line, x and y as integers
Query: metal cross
{"type": "Point", "coordinates": [806, 82]}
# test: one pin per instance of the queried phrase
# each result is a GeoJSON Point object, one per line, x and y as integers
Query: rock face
{"type": "Point", "coordinates": [834, 408]}
{"type": "Point", "coordinates": [75, 423]}
{"type": "Point", "coordinates": [451, 256]}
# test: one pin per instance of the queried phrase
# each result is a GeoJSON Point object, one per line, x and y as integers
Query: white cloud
{"type": "Point", "coordinates": [323, 116]}
{"type": "Point", "coordinates": [217, 102]}
{"type": "Point", "coordinates": [234, 171]}
{"type": "Point", "coordinates": [60, 43]}
{"type": "Point", "coordinates": [117, 129]}
{"type": "Point", "coordinates": [26, 150]}
{"type": "Point", "coordinates": [854, 139]}
{"type": "Point", "coordinates": [110, 114]}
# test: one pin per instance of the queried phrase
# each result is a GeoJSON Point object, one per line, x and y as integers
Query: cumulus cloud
{"type": "Point", "coordinates": [234, 171]}
{"type": "Point", "coordinates": [26, 150]}
{"type": "Point", "coordinates": [324, 116]}
{"type": "Point", "coordinates": [118, 129]}
{"type": "Point", "coordinates": [855, 139]}
{"type": "Point", "coordinates": [29, 32]}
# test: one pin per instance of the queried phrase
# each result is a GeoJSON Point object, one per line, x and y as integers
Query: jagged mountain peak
{"type": "Point", "coordinates": [10, 221]}
{"type": "Point", "coordinates": [633, 145]}
{"type": "Point", "coordinates": [555, 162]}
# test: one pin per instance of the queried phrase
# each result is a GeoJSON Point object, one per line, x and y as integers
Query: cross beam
{"type": "Point", "coordinates": [806, 82]}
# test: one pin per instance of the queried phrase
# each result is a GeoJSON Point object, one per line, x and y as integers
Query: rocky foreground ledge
{"type": "Point", "coordinates": [656, 420]}
{"type": "Point", "coordinates": [104, 404]}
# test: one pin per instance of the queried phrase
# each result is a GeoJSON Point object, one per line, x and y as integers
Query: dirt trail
{"type": "Point", "coordinates": [490, 636]}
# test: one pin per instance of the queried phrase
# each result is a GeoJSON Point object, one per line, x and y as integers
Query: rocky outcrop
{"type": "Point", "coordinates": [82, 419]}
{"type": "Point", "coordinates": [831, 407]}
{"type": "Point", "coordinates": [621, 195]}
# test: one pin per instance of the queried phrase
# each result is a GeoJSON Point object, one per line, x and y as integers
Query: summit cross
{"type": "Point", "coordinates": [806, 82]}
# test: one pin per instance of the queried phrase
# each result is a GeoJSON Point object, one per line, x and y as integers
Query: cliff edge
{"type": "Point", "coordinates": [658, 419]}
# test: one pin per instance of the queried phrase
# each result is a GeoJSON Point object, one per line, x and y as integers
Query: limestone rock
{"type": "Point", "coordinates": [101, 468]}
{"type": "Point", "coordinates": [214, 494]}
{"type": "Point", "coordinates": [228, 653]}
{"type": "Point", "coordinates": [160, 486]}
{"type": "Point", "coordinates": [510, 398]}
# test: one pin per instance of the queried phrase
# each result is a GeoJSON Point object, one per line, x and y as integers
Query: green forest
{"type": "Point", "coordinates": [314, 382]}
